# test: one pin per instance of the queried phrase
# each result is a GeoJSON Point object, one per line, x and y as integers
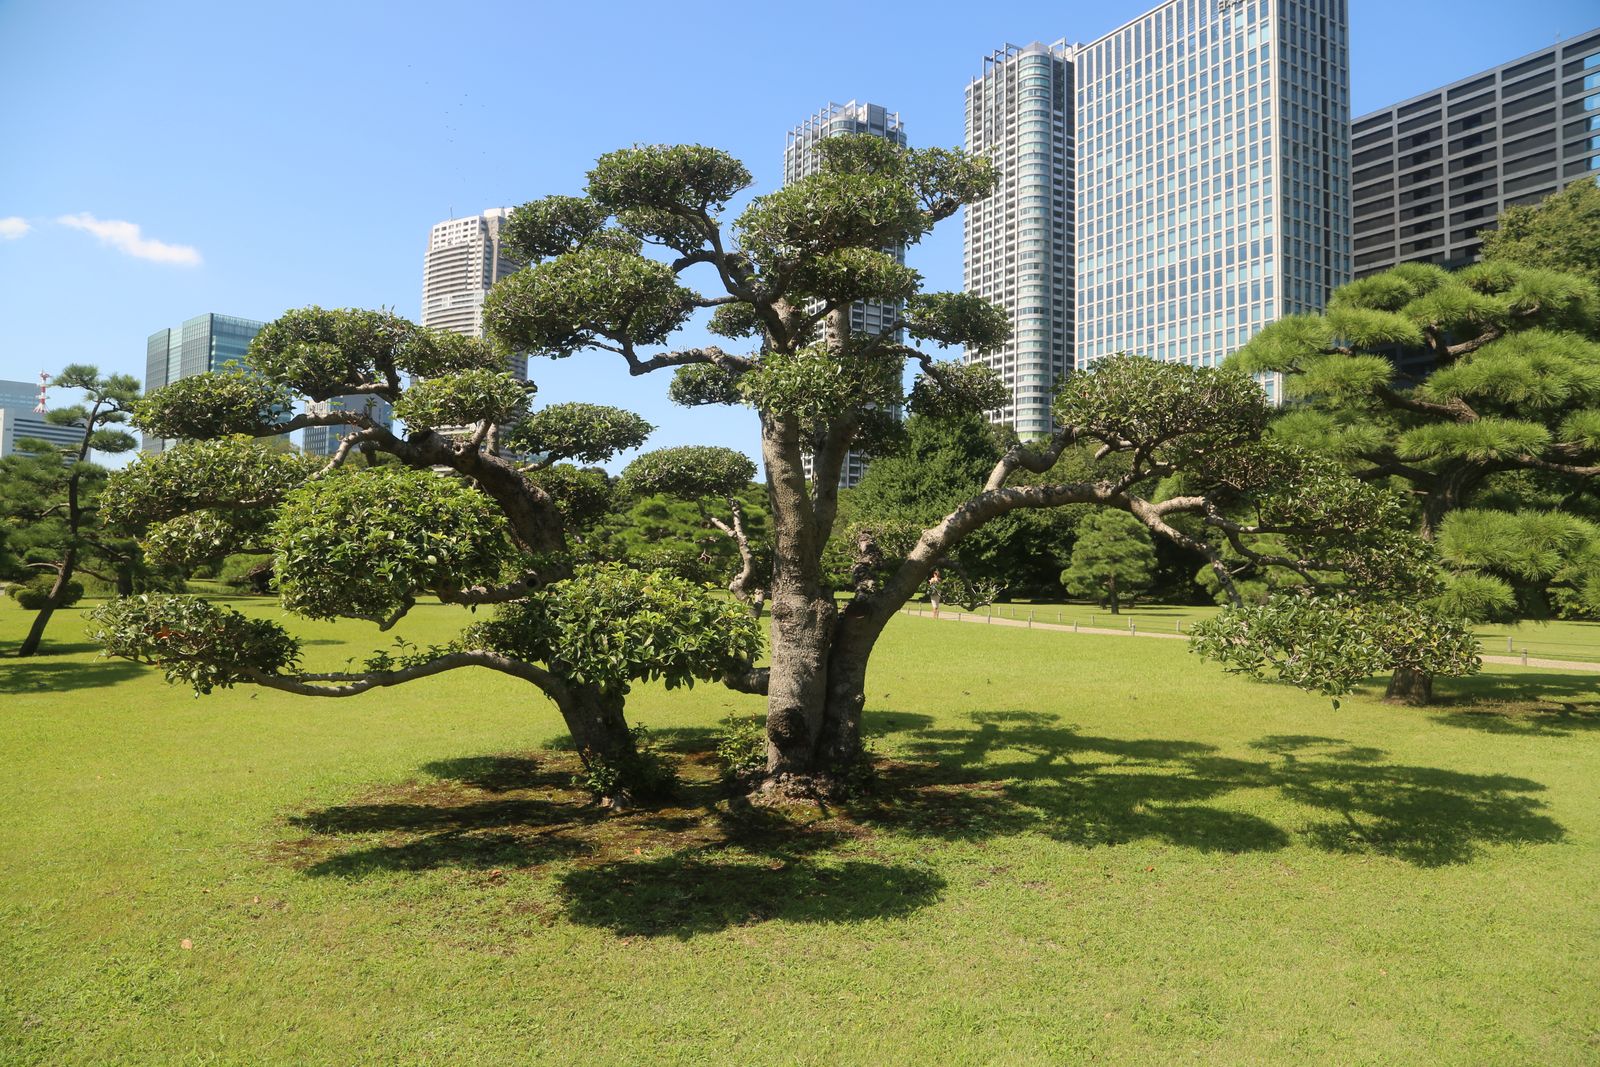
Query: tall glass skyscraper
{"type": "Point", "coordinates": [1018, 242]}
{"type": "Point", "coordinates": [201, 345]}
{"type": "Point", "coordinates": [1214, 175]}
{"type": "Point", "coordinates": [801, 159]}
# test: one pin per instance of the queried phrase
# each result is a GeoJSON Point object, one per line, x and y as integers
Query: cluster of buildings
{"type": "Point", "coordinates": [1167, 190]}
{"type": "Point", "coordinates": [1195, 174]}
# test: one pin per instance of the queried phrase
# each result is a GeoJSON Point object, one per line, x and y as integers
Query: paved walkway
{"type": "Point", "coordinates": [994, 620]}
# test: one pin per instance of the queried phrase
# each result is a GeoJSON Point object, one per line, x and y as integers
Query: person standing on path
{"type": "Point", "coordinates": [933, 592]}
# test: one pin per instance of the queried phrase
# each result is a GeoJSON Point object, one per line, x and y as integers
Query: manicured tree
{"type": "Point", "coordinates": [704, 475]}
{"type": "Point", "coordinates": [456, 515]}
{"type": "Point", "coordinates": [50, 495]}
{"type": "Point", "coordinates": [1562, 233]}
{"type": "Point", "coordinates": [1509, 565]}
{"type": "Point", "coordinates": [931, 471]}
{"type": "Point", "coordinates": [656, 531]}
{"type": "Point", "coordinates": [1441, 383]}
{"type": "Point", "coordinates": [1112, 557]}
{"type": "Point", "coordinates": [784, 277]}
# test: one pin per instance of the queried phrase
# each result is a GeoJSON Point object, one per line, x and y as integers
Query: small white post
{"type": "Point", "coordinates": [1508, 643]}
{"type": "Point", "coordinates": [1030, 620]}
{"type": "Point", "coordinates": [1177, 626]}
{"type": "Point", "coordinates": [1130, 626]}
{"type": "Point", "coordinates": [1524, 657]}
{"type": "Point", "coordinates": [1074, 625]}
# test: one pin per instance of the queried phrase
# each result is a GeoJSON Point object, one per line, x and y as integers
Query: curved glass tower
{"type": "Point", "coordinates": [1019, 241]}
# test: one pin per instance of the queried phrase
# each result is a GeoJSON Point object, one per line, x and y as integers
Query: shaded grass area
{"type": "Point", "coordinates": [1072, 850]}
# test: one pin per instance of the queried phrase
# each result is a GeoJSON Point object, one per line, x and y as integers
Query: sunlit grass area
{"type": "Point", "coordinates": [1555, 639]}
{"type": "Point", "coordinates": [1077, 848]}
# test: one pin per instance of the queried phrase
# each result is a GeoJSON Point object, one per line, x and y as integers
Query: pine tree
{"type": "Point", "coordinates": [1452, 387]}
{"type": "Point", "coordinates": [50, 495]}
{"type": "Point", "coordinates": [1113, 557]}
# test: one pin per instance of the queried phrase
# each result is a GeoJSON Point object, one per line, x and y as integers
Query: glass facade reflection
{"type": "Point", "coordinates": [201, 345]}
{"type": "Point", "coordinates": [1214, 181]}
{"type": "Point", "coordinates": [1018, 242]}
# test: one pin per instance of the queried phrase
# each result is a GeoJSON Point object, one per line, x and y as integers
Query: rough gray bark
{"type": "Point", "coordinates": [802, 611]}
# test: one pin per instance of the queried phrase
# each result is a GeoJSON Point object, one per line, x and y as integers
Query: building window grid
{"type": "Point", "coordinates": [1498, 151]}
{"type": "Point", "coordinates": [1110, 291]}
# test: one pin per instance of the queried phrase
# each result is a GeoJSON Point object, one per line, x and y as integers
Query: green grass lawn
{"type": "Point", "coordinates": [1080, 848]}
{"type": "Point", "coordinates": [1557, 639]}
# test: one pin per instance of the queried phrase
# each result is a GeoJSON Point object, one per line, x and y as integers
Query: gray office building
{"type": "Point", "coordinates": [19, 420]}
{"type": "Point", "coordinates": [1213, 175]}
{"type": "Point", "coordinates": [1434, 171]}
{"type": "Point", "coordinates": [203, 344]}
{"type": "Point", "coordinates": [801, 159]}
{"type": "Point", "coordinates": [1018, 241]}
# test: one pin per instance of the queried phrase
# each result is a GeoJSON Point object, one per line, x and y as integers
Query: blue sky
{"type": "Point", "coordinates": [272, 155]}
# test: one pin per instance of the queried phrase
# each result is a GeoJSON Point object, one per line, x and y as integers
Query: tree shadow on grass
{"type": "Point", "coordinates": [694, 866]}
{"type": "Point", "coordinates": [1523, 705]}
{"type": "Point", "coordinates": [1024, 771]}
{"type": "Point", "coordinates": [701, 863]}
{"type": "Point", "coordinates": [47, 675]}
{"type": "Point", "coordinates": [681, 896]}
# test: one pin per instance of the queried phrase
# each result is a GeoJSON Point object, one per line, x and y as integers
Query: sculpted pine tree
{"type": "Point", "coordinates": [51, 493]}
{"type": "Point", "coordinates": [459, 515]}
{"type": "Point", "coordinates": [1454, 387]}
{"type": "Point", "coordinates": [1111, 559]}
{"type": "Point", "coordinates": [783, 278]}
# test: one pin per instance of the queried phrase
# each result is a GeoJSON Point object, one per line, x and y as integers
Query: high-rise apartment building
{"type": "Point", "coordinates": [201, 345]}
{"type": "Point", "coordinates": [1434, 171]}
{"type": "Point", "coordinates": [1018, 242]}
{"type": "Point", "coordinates": [1214, 175]}
{"type": "Point", "coordinates": [464, 260]}
{"type": "Point", "coordinates": [325, 440]}
{"type": "Point", "coordinates": [800, 159]}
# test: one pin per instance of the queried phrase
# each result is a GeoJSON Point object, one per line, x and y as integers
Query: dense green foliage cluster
{"type": "Point", "coordinates": [417, 532]}
{"type": "Point", "coordinates": [463, 399]}
{"type": "Point", "coordinates": [610, 624]}
{"type": "Point", "coordinates": [1333, 644]}
{"type": "Point", "coordinates": [197, 643]}
{"type": "Point", "coordinates": [1561, 233]}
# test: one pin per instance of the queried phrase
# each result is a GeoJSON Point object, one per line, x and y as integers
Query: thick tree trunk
{"type": "Point", "coordinates": [803, 614]}
{"type": "Point", "coordinates": [58, 593]}
{"type": "Point", "coordinates": [840, 749]}
{"type": "Point", "coordinates": [802, 638]}
{"type": "Point", "coordinates": [1112, 586]}
{"type": "Point", "coordinates": [599, 730]}
{"type": "Point", "coordinates": [1409, 686]}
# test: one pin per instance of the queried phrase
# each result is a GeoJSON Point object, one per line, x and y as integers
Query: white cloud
{"type": "Point", "coordinates": [12, 227]}
{"type": "Point", "coordinates": [126, 237]}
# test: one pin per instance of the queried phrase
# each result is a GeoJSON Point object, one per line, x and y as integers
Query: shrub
{"type": "Point", "coordinates": [742, 747]}
{"type": "Point", "coordinates": [33, 593]}
{"type": "Point", "coordinates": [652, 774]}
